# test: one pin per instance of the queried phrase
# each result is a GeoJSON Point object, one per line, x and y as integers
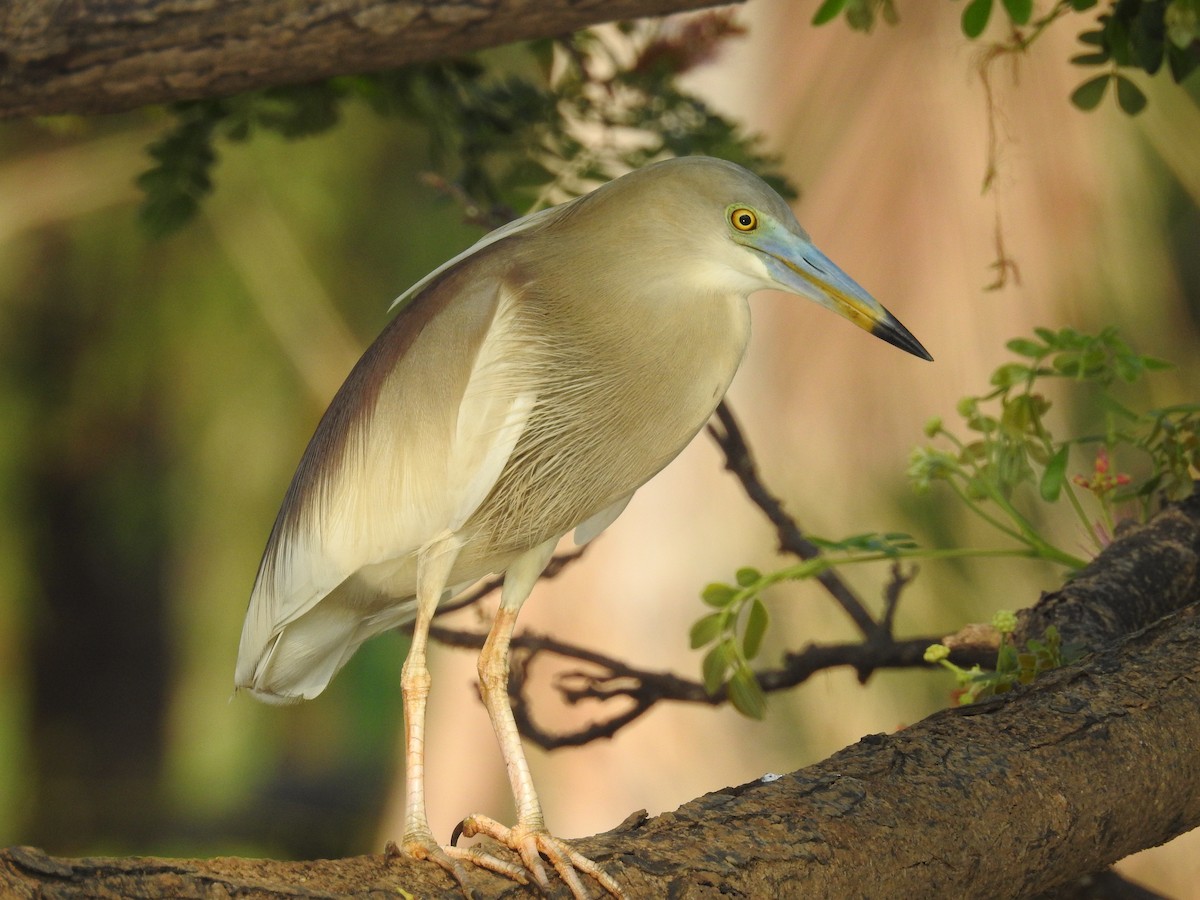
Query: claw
{"type": "Point", "coordinates": [452, 858]}
{"type": "Point", "coordinates": [531, 845]}
{"type": "Point", "coordinates": [422, 847]}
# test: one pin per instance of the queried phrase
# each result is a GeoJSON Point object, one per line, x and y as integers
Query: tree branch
{"type": "Point", "coordinates": [613, 679]}
{"type": "Point", "coordinates": [1149, 571]}
{"type": "Point", "coordinates": [912, 813]}
{"type": "Point", "coordinates": [1035, 761]}
{"type": "Point", "coordinates": [740, 462]}
{"type": "Point", "coordinates": [88, 57]}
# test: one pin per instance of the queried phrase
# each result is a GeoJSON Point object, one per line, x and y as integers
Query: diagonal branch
{"type": "Point", "coordinates": [740, 462]}
{"type": "Point", "coordinates": [609, 679]}
{"type": "Point", "coordinates": [1110, 596]}
{"type": "Point", "coordinates": [1013, 798]}
{"type": "Point", "coordinates": [87, 58]}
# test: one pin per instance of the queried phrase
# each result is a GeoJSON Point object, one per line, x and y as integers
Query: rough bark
{"type": "Point", "coordinates": [1014, 797]}
{"type": "Point", "coordinates": [100, 56]}
{"type": "Point", "coordinates": [1148, 573]}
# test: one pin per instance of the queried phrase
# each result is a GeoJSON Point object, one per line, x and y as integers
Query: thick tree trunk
{"type": "Point", "coordinates": [1014, 797]}
{"type": "Point", "coordinates": [97, 57]}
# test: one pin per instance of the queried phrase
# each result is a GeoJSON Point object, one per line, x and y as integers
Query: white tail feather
{"type": "Point", "coordinates": [302, 658]}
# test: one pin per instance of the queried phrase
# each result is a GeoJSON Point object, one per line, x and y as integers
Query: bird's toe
{"type": "Point", "coordinates": [532, 843]}
{"type": "Point", "coordinates": [425, 847]}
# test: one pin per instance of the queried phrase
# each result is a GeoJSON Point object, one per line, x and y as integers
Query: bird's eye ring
{"type": "Point", "coordinates": [743, 219]}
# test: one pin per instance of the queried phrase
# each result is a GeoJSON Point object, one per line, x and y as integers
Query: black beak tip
{"type": "Point", "coordinates": [899, 336]}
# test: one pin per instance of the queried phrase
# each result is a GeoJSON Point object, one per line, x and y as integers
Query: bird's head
{"type": "Point", "coordinates": [734, 221]}
{"type": "Point", "coordinates": [794, 264]}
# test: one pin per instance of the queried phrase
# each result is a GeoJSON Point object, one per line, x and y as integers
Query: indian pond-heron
{"type": "Point", "coordinates": [522, 391]}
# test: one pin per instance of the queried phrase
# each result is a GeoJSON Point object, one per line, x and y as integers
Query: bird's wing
{"type": "Point", "coordinates": [410, 447]}
{"type": "Point", "coordinates": [589, 529]}
{"type": "Point", "coordinates": [494, 411]}
{"type": "Point", "coordinates": [525, 223]}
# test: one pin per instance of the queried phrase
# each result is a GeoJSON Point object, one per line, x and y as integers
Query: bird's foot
{"type": "Point", "coordinates": [531, 844]}
{"type": "Point", "coordinates": [451, 859]}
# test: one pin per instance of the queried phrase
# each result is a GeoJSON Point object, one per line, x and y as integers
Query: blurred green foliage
{"type": "Point", "coordinates": [1012, 444]}
{"type": "Point", "coordinates": [1128, 34]}
{"type": "Point", "coordinates": [1011, 460]}
{"type": "Point", "coordinates": [573, 112]}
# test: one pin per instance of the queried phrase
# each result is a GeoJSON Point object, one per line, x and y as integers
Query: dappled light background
{"type": "Point", "coordinates": [157, 395]}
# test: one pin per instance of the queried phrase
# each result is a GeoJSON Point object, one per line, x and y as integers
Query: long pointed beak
{"type": "Point", "coordinates": [892, 330]}
{"type": "Point", "coordinates": [800, 268]}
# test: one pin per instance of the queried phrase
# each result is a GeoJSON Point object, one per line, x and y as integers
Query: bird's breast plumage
{"type": "Point", "coordinates": [626, 376]}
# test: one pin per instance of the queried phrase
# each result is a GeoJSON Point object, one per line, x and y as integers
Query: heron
{"type": "Point", "coordinates": [523, 391]}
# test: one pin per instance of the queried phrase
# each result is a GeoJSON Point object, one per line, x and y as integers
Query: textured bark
{"type": "Point", "coordinates": [1011, 798]}
{"type": "Point", "coordinates": [1149, 572]}
{"type": "Point", "coordinates": [99, 56]}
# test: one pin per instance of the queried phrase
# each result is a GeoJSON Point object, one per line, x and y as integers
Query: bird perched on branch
{"type": "Point", "coordinates": [524, 390]}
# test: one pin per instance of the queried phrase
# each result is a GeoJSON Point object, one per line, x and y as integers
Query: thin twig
{"type": "Point", "coordinates": [739, 461]}
{"type": "Point", "coordinates": [891, 597]}
{"type": "Point", "coordinates": [645, 688]}
{"type": "Point", "coordinates": [884, 636]}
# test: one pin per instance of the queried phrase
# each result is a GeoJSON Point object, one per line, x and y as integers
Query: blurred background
{"type": "Point", "coordinates": [156, 396]}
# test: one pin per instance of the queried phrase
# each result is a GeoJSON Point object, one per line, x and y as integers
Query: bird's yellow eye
{"type": "Point", "coordinates": [743, 219]}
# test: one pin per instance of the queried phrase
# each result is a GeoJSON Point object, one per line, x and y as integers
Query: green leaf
{"type": "Point", "coordinates": [161, 216]}
{"type": "Point", "coordinates": [900, 540]}
{"type": "Point", "coordinates": [1090, 59]}
{"type": "Point", "coordinates": [718, 595]}
{"type": "Point", "coordinates": [982, 424]}
{"type": "Point", "coordinates": [828, 11]}
{"type": "Point", "coordinates": [746, 694]}
{"type": "Point", "coordinates": [705, 630]}
{"type": "Point", "coordinates": [1026, 347]}
{"type": "Point", "coordinates": [716, 664]}
{"type": "Point", "coordinates": [1089, 94]}
{"type": "Point", "coordinates": [1055, 475]}
{"type": "Point", "coordinates": [1019, 11]}
{"type": "Point", "coordinates": [756, 627]}
{"type": "Point", "coordinates": [1182, 21]}
{"type": "Point", "coordinates": [1111, 404]}
{"type": "Point", "coordinates": [977, 489]}
{"type": "Point", "coordinates": [1182, 62]}
{"type": "Point", "coordinates": [975, 17]}
{"type": "Point", "coordinates": [1146, 42]}
{"type": "Point", "coordinates": [1151, 486]}
{"type": "Point", "coordinates": [1129, 96]}
{"type": "Point", "coordinates": [747, 576]}
{"type": "Point", "coordinates": [542, 51]}
{"type": "Point", "coordinates": [1009, 374]}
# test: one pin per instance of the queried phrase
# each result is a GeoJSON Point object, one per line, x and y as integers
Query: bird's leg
{"type": "Point", "coordinates": [529, 836]}
{"type": "Point", "coordinates": [433, 571]}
